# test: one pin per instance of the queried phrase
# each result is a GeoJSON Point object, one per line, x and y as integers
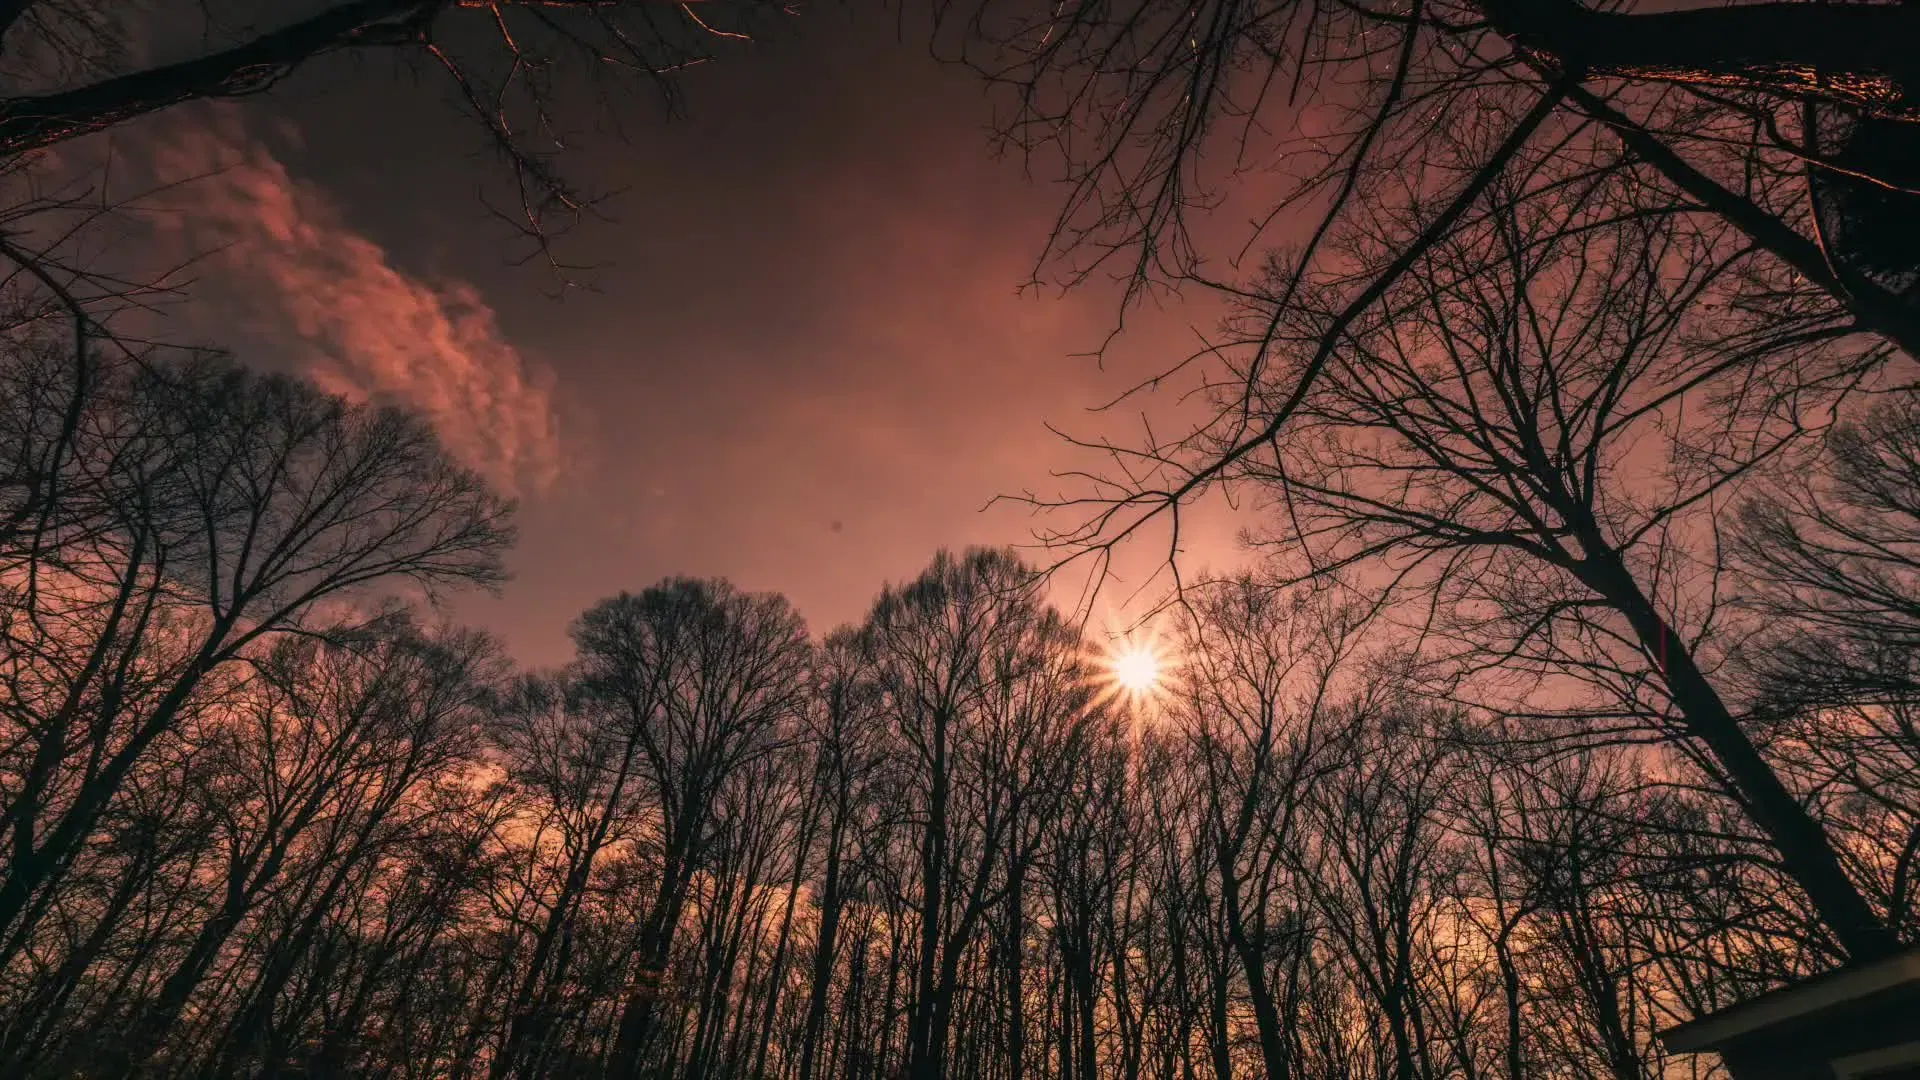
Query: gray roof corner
{"type": "Point", "coordinates": [1795, 1001]}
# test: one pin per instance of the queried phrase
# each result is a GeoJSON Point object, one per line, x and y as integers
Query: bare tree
{"type": "Point", "coordinates": [986, 691]}
{"type": "Point", "coordinates": [1833, 565]}
{"type": "Point", "coordinates": [1474, 440]}
{"type": "Point", "coordinates": [1388, 124]}
{"type": "Point", "coordinates": [1143, 100]}
{"type": "Point", "coordinates": [849, 753]}
{"type": "Point", "coordinates": [731, 671]}
{"type": "Point", "coordinates": [1261, 706]}
{"type": "Point", "coordinates": [236, 509]}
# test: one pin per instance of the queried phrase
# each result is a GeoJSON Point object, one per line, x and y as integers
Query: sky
{"type": "Point", "coordinates": [802, 360]}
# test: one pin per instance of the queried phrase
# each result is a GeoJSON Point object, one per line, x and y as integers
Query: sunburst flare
{"type": "Point", "coordinates": [1136, 668]}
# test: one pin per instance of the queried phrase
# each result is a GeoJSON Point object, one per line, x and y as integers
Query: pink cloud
{"type": "Point", "coordinates": [358, 325]}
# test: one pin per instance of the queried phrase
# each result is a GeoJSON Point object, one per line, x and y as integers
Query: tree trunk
{"type": "Point", "coordinates": [933, 861]}
{"type": "Point", "coordinates": [1805, 851]}
{"type": "Point", "coordinates": [1860, 55]}
{"type": "Point", "coordinates": [656, 944]}
{"type": "Point", "coordinates": [826, 938]}
{"type": "Point", "coordinates": [1266, 1018]}
{"type": "Point", "coordinates": [776, 978]}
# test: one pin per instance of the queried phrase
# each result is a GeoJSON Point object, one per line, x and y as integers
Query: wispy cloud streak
{"type": "Point", "coordinates": [356, 323]}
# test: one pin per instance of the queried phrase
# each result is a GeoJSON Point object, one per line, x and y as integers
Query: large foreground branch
{"type": "Point", "coordinates": [1859, 54]}
{"type": "Point", "coordinates": [30, 123]}
{"type": "Point", "coordinates": [1875, 309]}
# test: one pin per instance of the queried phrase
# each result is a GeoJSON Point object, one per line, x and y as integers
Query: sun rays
{"type": "Point", "coordinates": [1136, 668]}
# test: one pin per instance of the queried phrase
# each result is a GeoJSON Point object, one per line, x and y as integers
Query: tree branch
{"type": "Point", "coordinates": [1855, 53]}
{"type": "Point", "coordinates": [1874, 308]}
{"type": "Point", "coordinates": [31, 123]}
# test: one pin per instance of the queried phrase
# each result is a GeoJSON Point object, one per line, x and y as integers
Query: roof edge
{"type": "Point", "coordinates": [1825, 991]}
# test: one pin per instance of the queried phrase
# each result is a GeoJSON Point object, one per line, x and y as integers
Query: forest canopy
{"type": "Point", "coordinates": [264, 819]}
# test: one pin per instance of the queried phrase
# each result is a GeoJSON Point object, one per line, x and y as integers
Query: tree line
{"type": "Point", "coordinates": [265, 817]}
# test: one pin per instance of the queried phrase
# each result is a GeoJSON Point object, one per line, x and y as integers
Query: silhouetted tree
{"type": "Point", "coordinates": [232, 509]}
{"type": "Point", "coordinates": [1735, 111]}
{"type": "Point", "coordinates": [709, 680]}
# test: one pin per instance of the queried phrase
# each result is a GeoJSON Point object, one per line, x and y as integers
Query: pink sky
{"type": "Point", "coordinates": [803, 364]}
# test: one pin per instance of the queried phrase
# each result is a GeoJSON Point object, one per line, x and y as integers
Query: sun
{"type": "Point", "coordinates": [1136, 669]}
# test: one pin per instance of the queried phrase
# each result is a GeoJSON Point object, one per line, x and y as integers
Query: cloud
{"type": "Point", "coordinates": [306, 282]}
